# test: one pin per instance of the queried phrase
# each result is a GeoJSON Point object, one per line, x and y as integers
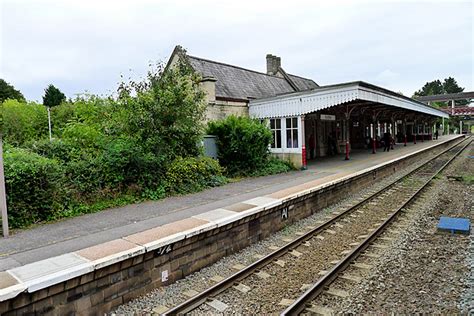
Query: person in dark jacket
{"type": "Point", "coordinates": [386, 141]}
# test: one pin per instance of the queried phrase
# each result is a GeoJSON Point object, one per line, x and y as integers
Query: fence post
{"type": "Point", "coordinates": [3, 196]}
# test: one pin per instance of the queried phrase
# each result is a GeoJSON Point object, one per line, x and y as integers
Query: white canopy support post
{"type": "Point", "coordinates": [3, 196]}
{"type": "Point", "coordinates": [460, 127]}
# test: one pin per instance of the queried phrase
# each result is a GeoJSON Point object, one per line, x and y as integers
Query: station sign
{"type": "Point", "coordinates": [327, 117]}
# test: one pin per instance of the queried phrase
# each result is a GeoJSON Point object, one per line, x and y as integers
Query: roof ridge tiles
{"type": "Point", "coordinates": [246, 69]}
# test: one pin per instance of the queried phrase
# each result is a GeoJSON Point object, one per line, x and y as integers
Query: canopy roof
{"type": "Point", "coordinates": [299, 103]}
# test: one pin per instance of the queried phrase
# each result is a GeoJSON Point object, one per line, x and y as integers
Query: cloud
{"type": "Point", "coordinates": [86, 45]}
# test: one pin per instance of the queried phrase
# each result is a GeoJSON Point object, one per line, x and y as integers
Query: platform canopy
{"type": "Point", "coordinates": [300, 103]}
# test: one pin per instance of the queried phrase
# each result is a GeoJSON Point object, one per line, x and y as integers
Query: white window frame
{"type": "Point", "coordinates": [275, 133]}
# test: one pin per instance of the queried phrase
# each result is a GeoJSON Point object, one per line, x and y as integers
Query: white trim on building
{"type": "Point", "coordinates": [300, 103]}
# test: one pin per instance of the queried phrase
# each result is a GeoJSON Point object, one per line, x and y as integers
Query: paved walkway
{"type": "Point", "coordinates": [77, 233]}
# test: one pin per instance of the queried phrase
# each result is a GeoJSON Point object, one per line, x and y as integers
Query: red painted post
{"type": "Point", "coordinates": [303, 150]}
{"type": "Point", "coordinates": [405, 140]}
{"type": "Point", "coordinates": [347, 150]}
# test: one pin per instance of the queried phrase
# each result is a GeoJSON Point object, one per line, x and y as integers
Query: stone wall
{"type": "Point", "coordinates": [221, 109]}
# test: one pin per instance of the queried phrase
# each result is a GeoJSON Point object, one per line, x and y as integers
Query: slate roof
{"type": "Point", "coordinates": [239, 83]}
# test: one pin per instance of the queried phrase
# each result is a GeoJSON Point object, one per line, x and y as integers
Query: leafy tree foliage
{"type": "Point", "coordinates": [53, 96]}
{"type": "Point", "coordinates": [166, 114]}
{"type": "Point", "coordinates": [449, 85]}
{"type": "Point", "coordinates": [23, 122]}
{"type": "Point", "coordinates": [431, 88]}
{"type": "Point", "coordinates": [7, 91]}
{"type": "Point", "coordinates": [107, 149]}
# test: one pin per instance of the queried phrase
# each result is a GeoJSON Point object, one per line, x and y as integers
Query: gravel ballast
{"type": "Point", "coordinates": [425, 270]}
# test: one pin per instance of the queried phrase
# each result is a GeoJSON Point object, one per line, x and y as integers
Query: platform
{"type": "Point", "coordinates": [70, 235]}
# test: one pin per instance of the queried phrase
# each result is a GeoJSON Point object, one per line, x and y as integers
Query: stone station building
{"type": "Point", "coordinates": [306, 118]}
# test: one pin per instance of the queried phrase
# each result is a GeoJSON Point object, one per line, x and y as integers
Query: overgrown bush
{"type": "Point", "coordinates": [34, 187]}
{"type": "Point", "coordinates": [193, 174]}
{"type": "Point", "coordinates": [242, 144]}
{"type": "Point", "coordinates": [273, 166]}
{"type": "Point", "coordinates": [57, 149]}
{"type": "Point", "coordinates": [107, 151]}
{"type": "Point", "coordinates": [23, 122]}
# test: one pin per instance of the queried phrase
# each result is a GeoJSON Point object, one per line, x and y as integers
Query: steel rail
{"type": "Point", "coordinates": [202, 297]}
{"type": "Point", "coordinates": [299, 305]}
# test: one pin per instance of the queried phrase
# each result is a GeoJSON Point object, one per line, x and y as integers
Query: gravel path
{"type": "Point", "coordinates": [176, 293]}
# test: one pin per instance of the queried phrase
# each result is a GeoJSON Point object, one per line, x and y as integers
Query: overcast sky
{"type": "Point", "coordinates": [85, 45]}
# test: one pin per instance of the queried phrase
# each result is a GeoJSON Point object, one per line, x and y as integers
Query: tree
{"type": "Point", "coordinates": [53, 96]}
{"type": "Point", "coordinates": [7, 91]}
{"type": "Point", "coordinates": [449, 85]}
{"type": "Point", "coordinates": [165, 112]}
{"type": "Point", "coordinates": [431, 88]}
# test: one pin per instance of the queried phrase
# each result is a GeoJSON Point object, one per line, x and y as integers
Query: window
{"type": "Point", "coordinates": [292, 132]}
{"type": "Point", "coordinates": [275, 126]}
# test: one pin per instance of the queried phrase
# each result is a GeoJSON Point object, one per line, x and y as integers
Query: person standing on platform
{"type": "Point", "coordinates": [312, 146]}
{"type": "Point", "coordinates": [386, 141]}
{"type": "Point", "coordinates": [436, 134]}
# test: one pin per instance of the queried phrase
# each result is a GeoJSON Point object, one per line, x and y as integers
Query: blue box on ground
{"type": "Point", "coordinates": [454, 225]}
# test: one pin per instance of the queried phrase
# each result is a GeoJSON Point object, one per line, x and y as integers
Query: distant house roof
{"type": "Point", "coordinates": [447, 97]}
{"type": "Point", "coordinates": [238, 83]}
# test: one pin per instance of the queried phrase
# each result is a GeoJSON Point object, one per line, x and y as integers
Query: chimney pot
{"type": "Point", "coordinates": [273, 63]}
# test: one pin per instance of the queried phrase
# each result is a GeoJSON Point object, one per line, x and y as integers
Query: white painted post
{"type": "Point", "coordinates": [3, 196]}
{"type": "Point", "coordinates": [460, 127]}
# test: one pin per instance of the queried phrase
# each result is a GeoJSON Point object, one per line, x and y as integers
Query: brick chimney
{"type": "Point", "coordinates": [273, 63]}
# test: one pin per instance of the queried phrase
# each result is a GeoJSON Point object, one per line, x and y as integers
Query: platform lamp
{"type": "Point", "coordinates": [3, 196]}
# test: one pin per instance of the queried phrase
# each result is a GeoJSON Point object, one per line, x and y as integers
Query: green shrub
{"type": "Point", "coordinates": [83, 135]}
{"type": "Point", "coordinates": [34, 186]}
{"type": "Point", "coordinates": [242, 144]}
{"type": "Point", "coordinates": [55, 149]}
{"type": "Point", "coordinates": [23, 122]}
{"type": "Point", "coordinates": [192, 174]}
{"type": "Point", "coordinates": [124, 163]}
{"type": "Point", "coordinates": [273, 166]}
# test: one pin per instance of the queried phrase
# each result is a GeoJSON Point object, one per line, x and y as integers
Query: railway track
{"type": "Point", "coordinates": [371, 209]}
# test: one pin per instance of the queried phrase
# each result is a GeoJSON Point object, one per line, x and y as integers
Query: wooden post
{"type": "Point", "coordinates": [3, 196]}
